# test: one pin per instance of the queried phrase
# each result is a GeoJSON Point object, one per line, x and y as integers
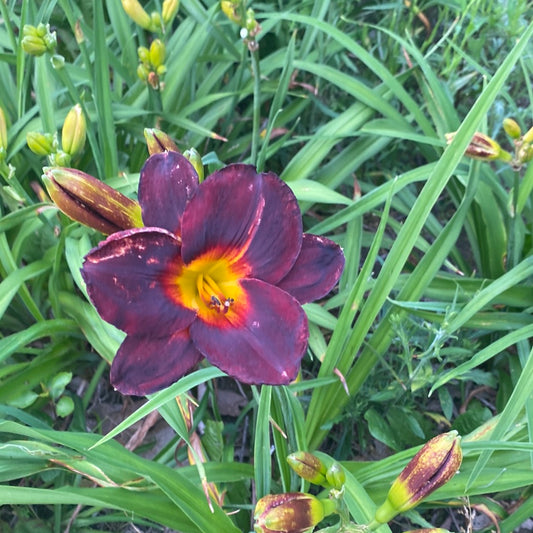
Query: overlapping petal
{"type": "Point", "coordinates": [168, 181]}
{"type": "Point", "coordinates": [316, 270]}
{"type": "Point", "coordinates": [264, 341]}
{"type": "Point", "coordinates": [147, 364]}
{"type": "Point", "coordinates": [123, 281]}
{"type": "Point", "coordinates": [254, 218]}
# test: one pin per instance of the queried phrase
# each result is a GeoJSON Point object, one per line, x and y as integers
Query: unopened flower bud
{"type": "Point", "coordinates": [232, 10]}
{"type": "Point", "coordinates": [90, 201]}
{"type": "Point", "coordinates": [512, 128]}
{"type": "Point", "coordinates": [41, 143]}
{"type": "Point", "coordinates": [136, 12]}
{"type": "Point", "coordinates": [155, 21]}
{"type": "Point", "coordinates": [36, 41]}
{"type": "Point", "coordinates": [57, 61]}
{"type": "Point", "coordinates": [3, 135]}
{"type": "Point", "coordinates": [169, 10]}
{"type": "Point", "coordinates": [60, 159]}
{"type": "Point", "coordinates": [196, 160]}
{"type": "Point", "coordinates": [435, 464]}
{"type": "Point", "coordinates": [74, 131]}
{"type": "Point", "coordinates": [336, 476]}
{"type": "Point", "coordinates": [308, 467]}
{"type": "Point", "coordinates": [528, 136]}
{"type": "Point", "coordinates": [483, 147]}
{"type": "Point", "coordinates": [158, 141]}
{"type": "Point", "coordinates": [294, 512]}
{"type": "Point", "coordinates": [157, 53]}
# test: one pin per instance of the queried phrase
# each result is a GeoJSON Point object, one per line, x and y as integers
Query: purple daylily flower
{"type": "Point", "coordinates": [220, 271]}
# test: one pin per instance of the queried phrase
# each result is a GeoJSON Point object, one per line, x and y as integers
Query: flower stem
{"type": "Point", "coordinates": [512, 249]}
{"type": "Point", "coordinates": [256, 105]}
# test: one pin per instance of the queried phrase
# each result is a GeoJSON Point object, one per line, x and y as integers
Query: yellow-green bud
{"type": "Point", "coordinates": [143, 54]}
{"type": "Point", "coordinates": [36, 41]}
{"type": "Point", "coordinates": [60, 159]}
{"type": "Point", "coordinates": [232, 10]}
{"type": "Point", "coordinates": [142, 72]}
{"type": "Point", "coordinates": [3, 135]}
{"type": "Point", "coordinates": [336, 476]}
{"type": "Point", "coordinates": [294, 512]}
{"type": "Point", "coordinates": [512, 128]}
{"type": "Point", "coordinates": [137, 13]}
{"type": "Point", "coordinates": [158, 141]}
{"type": "Point", "coordinates": [41, 143]}
{"type": "Point", "coordinates": [196, 160]}
{"type": "Point", "coordinates": [528, 136]}
{"type": "Point", "coordinates": [308, 467]}
{"type": "Point", "coordinates": [57, 61]}
{"type": "Point", "coordinates": [157, 53]}
{"type": "Point", "coordinates": [435, 464]}
{"type": "Point", "coordinates": [90, 201]}
{"type": "Point", "coordinates": [155, 21]}
{"type": "Point", "coordinates": [74, 131]}
{"type": "Point", "coordinates": [169, 10]}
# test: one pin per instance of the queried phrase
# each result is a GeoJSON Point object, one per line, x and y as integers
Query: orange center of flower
{"type": "Point", "coordinates": [210, 286]}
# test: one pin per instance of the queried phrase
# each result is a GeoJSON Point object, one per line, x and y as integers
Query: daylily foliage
{"type": "Point", "coordinates": [220, 271]}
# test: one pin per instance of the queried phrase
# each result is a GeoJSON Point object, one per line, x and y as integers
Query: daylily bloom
{"type": "Point", "coordinates": [220, 271]}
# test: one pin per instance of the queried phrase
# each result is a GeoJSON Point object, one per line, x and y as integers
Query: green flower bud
{"type": "Point", "coordinates": [169, 10]}
{"type": "Point", "coordinates": [294, 512]}
{"type": "Point", "coordinates": [158, 141]}
{"type": "Point", "coordinates": [58, 61]}
{"type": "Point", "coordinates": [336, 476]}
{"type": "Point", "coordinates": [155, 21]}
{"type": "Point", "coordinates": [3, 135]}
{"type": "Point", "coordinates": [74, 131]}
{"type": "Point", "coordinates": [157, 53]}
{"type": "Point", "coordinates": [60, 159]}
{"type": "Point", "coordinates": [308, 467]}
{"type": "Point", "coordinates": [90, 201]}
{"type": "Point", "coordinates": [143, 72]}
{"type": "Point", "coordinates": [137, 13]}
{"type": "Point", "coordinates": [143, 54]}
{"type": "Point", "coordinates": [41, 143]}
{"type": "Point", "coordinates": [36, 41]}
{"type": "Point", "coordinates": [196, 160]}
{"type": "Point", "coordinates": [435, 464]}
{"type": "Point", "coordinates": [512, 128]}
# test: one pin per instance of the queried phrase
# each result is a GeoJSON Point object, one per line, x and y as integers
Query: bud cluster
{"type": "Point", "coordinates": [250, 28]}
{"type": "Point", "coordinates": [73, 135]}
{"type": "Point", "coordinates": [151, 63]}
{"type": "Point", "coordinates": [154, 22]}
{"type": "Point", "coordinates": [485, 148]}
{"type": "Point", "coordinates": [38, 40]}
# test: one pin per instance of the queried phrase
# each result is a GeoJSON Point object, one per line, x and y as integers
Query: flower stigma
{"type": "Point", "coordinates": [208, 285]}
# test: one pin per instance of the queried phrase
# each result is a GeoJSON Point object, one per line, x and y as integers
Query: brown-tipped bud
{"type": "Point", "coordinates": [483, 147]}
{"type": "Point", "coordinates": [42, 144]}
{"type": "Point", "coordinates": [528, 136]}
{"type": "Point", "coordinates": [308, 467]}
{"type": "Point", "coordinates": [36, 41]}
{"type": "Point", "coordinates": [3, 135]}
{"type": "Point", "coordinates": [74, 131]}
{"type": "Point", "coordinates": [158, 141]}
{"type": "Point", "coordinates": [90, 201]}
{"type": "Point", "coordinates": [435, 464]}
{"type": "Point", "coordinates": [196, 160]}
{"type": "Point", "coordinates": [169, 10]}
{"type": "Point", "coordinates": [512, 128]}
{"type": "Point", "coordinates": [294, 512]}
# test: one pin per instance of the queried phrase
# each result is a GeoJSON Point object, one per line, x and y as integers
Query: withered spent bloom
{"type": "Point", "coordinates": [483, 147]}
{"type": "Point", "coordinates": [434, 465]}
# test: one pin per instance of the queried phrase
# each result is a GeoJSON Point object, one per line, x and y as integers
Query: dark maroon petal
{"type": "Point", "coordinates": [147, 364]}
{"type": "Point", "coordinates": [167, 183]}
{"type": "Point", "coordinates": [245, 215]}
{"type": "Point", "coordinates": [262, 339]}
{"type": "Point", "coordinates": [316, 271]}
{"type": "Point", "coordinates": [123, 276]}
